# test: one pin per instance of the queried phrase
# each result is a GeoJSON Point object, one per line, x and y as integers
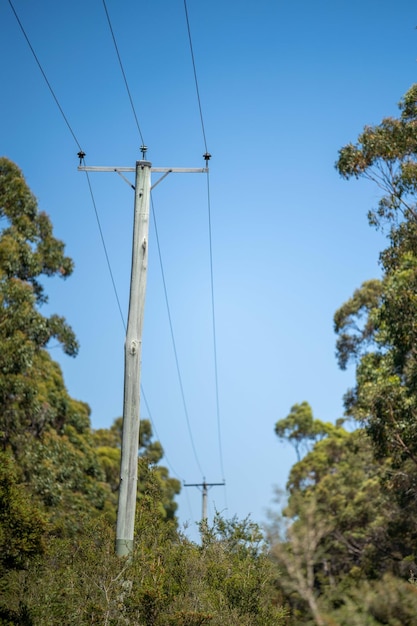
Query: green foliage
{"type": "Point", "coordinates": [22, 540]}
{"type": "Point", "coordinates": [169, 580]}
{"type": "Point", "coordinates": [300, 428]}
{"type": "Point", "coordinates": [342, 529]}
{"type": "Point", "coordinates": [58, 479]}
{"type": "Point", "coordinates": [22, 524]}
{"type": "Point", "coordinates": [108, 448]}
{"type": "Point", "coordinates": [346, 541]}
{"type": "Point", "coordinates": [343, 480]}
{"type": "Point", "coordinates": [377, 328]}
{"type": "Point", "coordinates": [238, 567]}
{"type": "Point", "coordinates": [28, 250]}
{"type": "Point", "coordinates": [355, 322]}
{"type": "Point", "coordinates": [389, 601]}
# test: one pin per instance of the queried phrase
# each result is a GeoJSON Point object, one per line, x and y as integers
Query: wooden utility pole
{"type": "Point", "coordinates": [204, 491]}
{"type": "Point", "coordinates": [133, 349]}
{"type": "Point", "coordinates": [133, 344]}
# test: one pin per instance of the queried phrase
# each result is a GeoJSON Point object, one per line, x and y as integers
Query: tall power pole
{"type": "Point", "coordinates": [204, 491]}
{"type": "Point", "coordinates": [133, 344]}
{"type": "Point", "coordinates": [133, 350]}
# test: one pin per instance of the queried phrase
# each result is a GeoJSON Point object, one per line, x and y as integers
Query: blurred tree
{"type": "Point", "coordinates": [21, 522]}
{"type": "Point", "coordinates": [47, 430]}
{"type": "Point", "coordinates": [225, 581]}
{"type": "Point", "coordinates": [108, 446]}
{"type": "Point", "coordinates": [22, 530]}
{"type": "Point", "coordinates": [377, 328]}
{"type": "Point", "coordinates": [58, 480]}
{"type": "Point", "coordinates": [28, 250]}
{"type": "Point", "coordinates": [340, 527]}
{"type": "Point", "coordinates": [350, 533]}
{"type": "Point", "coordinates": [300, 428]}
{"type": "Point", "coordinates": [343, 480]}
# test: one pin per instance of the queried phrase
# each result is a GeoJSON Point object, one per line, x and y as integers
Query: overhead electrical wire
{"type": "Point", "coordinates": [44, 75]}
{"type": "Point", "coordinates": [101, 235]}
{"type": "Point", "coordinates": [123, 72]}
{"type": "Point", "coordinates": [81, 154]}
{"type": "Point", "coordinates": [160, 259]}
{"type": "Point", "coordinates": [166, 459]}
{"type": "Point", "coordinates": [94, 206]}
{"type": "Point", "coordinates": [105, 252]}
{"type": "Point", "coordinates": [156, 433]}
{"type": "Point", "coordinates": [213, 309]}
{"type": "Point", "coordinates": [174, 343]}
{"type": "Point", "coordinates": [170, 466]}
{"type": "Point", "coordinates": [153, 212]}
{"type": "Point", "coordinates": [195, 75]}
{"type": "Point", "coordinates": [98, 223]}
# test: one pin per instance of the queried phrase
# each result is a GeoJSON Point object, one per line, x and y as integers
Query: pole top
{"type": "Point", "coordinates": [143, 164]}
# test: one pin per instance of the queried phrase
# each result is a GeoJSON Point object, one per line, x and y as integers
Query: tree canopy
{"type": "Point", "coordinates": [59, 480]}
{"type": "Point", "coordinates": [377, 328]}
{"type": "Point", "coordinates": [28, 251]}
{"type": "Point", "coordinates": [300, 428]}
{"type": "Point", "coordinates": [346, 539]}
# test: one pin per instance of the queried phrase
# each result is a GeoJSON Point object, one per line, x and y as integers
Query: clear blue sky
{"type": "Point", "coordinates": [283, 86]}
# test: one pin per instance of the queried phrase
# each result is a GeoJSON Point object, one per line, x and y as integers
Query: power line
{"type": "Point", "coordinates": [44, 75]}
{"type": "Point", "coordinates": [173, 341]}
{"type": "Point", "coordinates": [156, 433]}
{"type": "Point", "coordinates": [105, 252]}
{"type": "Point", "coordinates": [81, 154]}
{"type": "Point", "coordinates": [207, 157]}
{"type": "Point", "coordinates": [195, 74]}
{"type": "Point", "coordinates": [122, 70]}
{"type": "Point", "coordinates": [145, 400]}
{"type": "Point", "coordinates": [170, 466]}
{"type": "Point", "coordinates": [155, 224]}
{"type": "Point", "coordinates": [213, 315]}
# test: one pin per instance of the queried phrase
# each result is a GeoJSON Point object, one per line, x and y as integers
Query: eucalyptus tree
{"type": "Point", "coordinates": [377, 327]}
{"type": "Point", "coordinates": [28, 252]}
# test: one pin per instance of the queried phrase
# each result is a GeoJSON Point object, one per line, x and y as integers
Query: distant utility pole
{"type": "Point", "coordinates": [204, 491]}
{"type": "Point", "coordinates": [133, 344]}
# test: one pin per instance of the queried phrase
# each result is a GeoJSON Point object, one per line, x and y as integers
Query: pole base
{"type": "Point", "coordinates": [124, 547]}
